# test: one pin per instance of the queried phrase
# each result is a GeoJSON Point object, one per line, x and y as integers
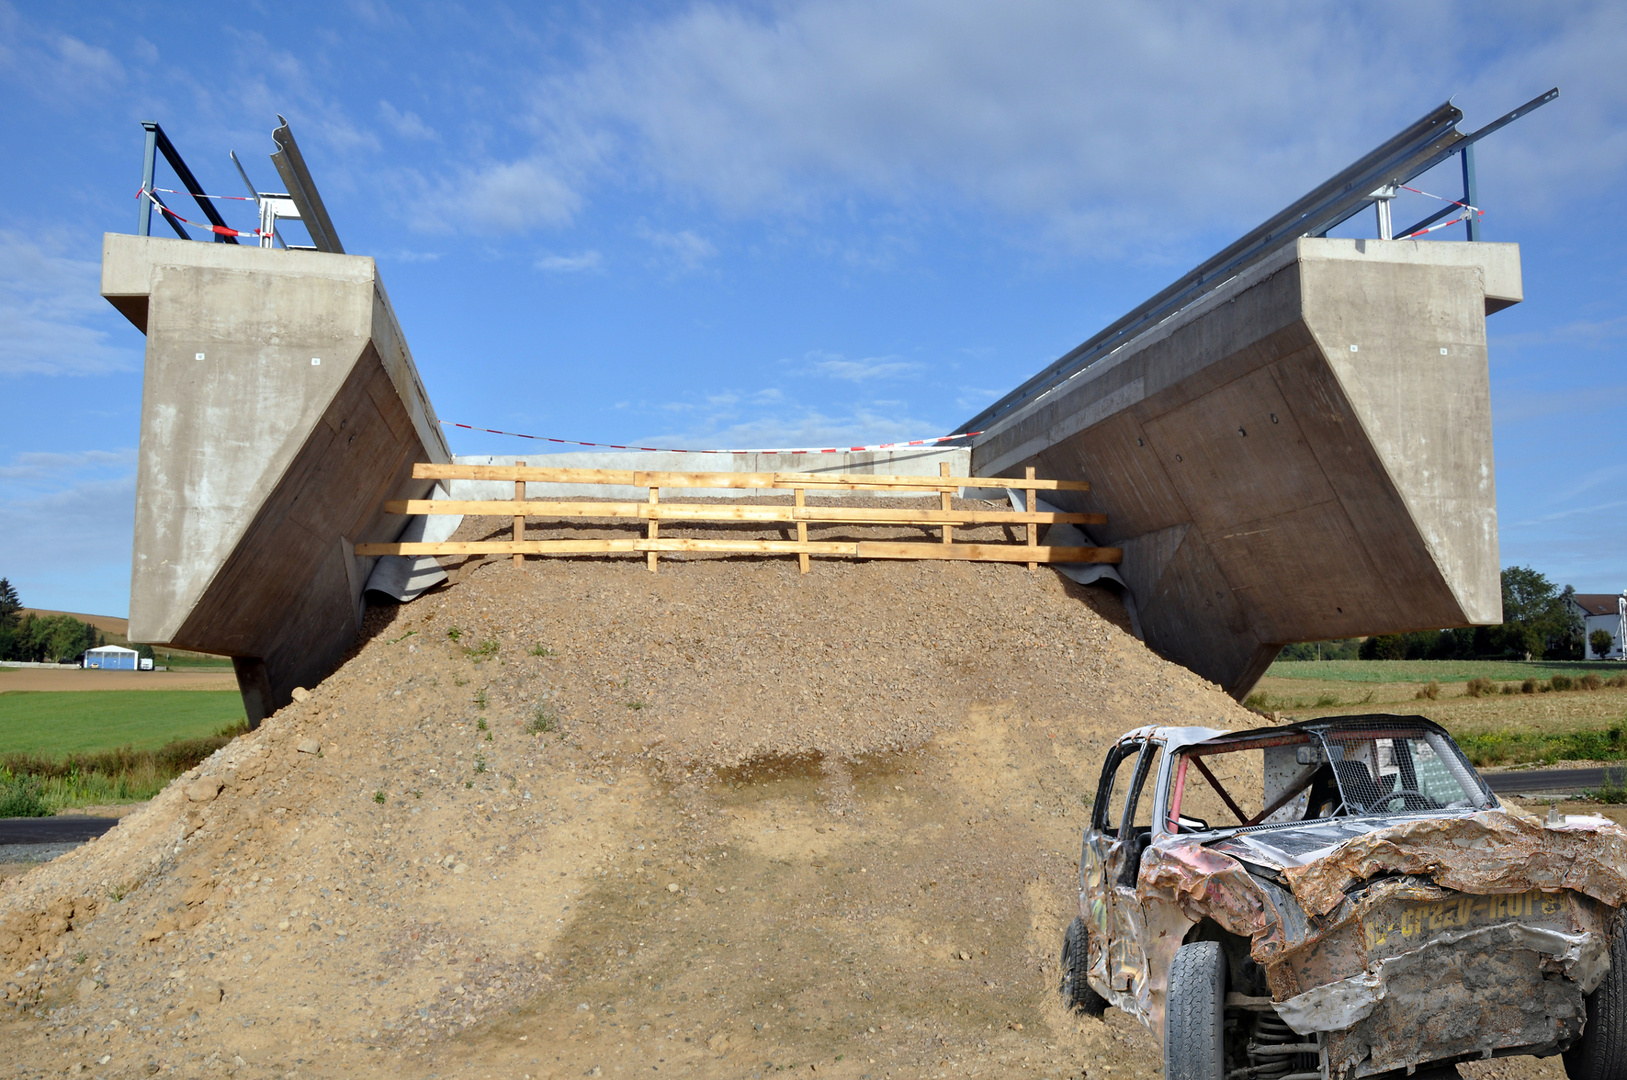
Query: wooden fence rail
{"type": "Point", "coordinates": [799, 513]}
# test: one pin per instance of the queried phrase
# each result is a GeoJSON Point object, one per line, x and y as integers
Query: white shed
{"type": "Point", "coordinates": [111, 658]}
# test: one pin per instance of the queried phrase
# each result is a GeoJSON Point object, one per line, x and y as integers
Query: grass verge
{"type": "Point", "coordinates": [35, 786]}
{"type": "Point", "coordinates": [1422, 671]}
{"type": "Point", "coordinates": [56, 724]}
{"type": "Point", "coordinates": [1528, 746]}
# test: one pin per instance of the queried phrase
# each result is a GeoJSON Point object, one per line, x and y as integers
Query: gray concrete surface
{"type": "Point", "coordinates": [1304, 454]}
{"type": "Point", "coordinates": [280, 408]}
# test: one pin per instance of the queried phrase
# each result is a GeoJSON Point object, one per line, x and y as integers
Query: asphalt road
{"type": "Point", "coordinates": [1553, 779]}
{"type": "Point", "coordinates": [53, 830]}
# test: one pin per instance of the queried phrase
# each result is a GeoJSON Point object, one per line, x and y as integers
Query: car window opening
{"type": "Point", "coordinates": [1282, 778]}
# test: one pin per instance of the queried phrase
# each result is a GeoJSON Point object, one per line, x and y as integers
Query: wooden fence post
{"type": "Point", "coordinates": [655, 527]}
{"type": "Point", "coordinates": [519, 519]}
{"type": "Point", "coordinates": [948, 530]}
{"type": "Point", "coordinates": [802, 531]}
{"type": "Point", "coordinates": [1033, 528]}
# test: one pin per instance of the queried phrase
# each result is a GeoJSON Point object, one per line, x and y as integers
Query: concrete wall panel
{"type": "Point", "coordinates": [1322, 492]}
{"type": "Point", "coordinates": [281, 408]}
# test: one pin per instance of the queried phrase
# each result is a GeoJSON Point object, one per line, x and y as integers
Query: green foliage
{"type": "Point", "coordinates": [484, 651]}
{"type": "Point", "coordinates": [480, 763]}
{"type": "Point", "coordinates": [46, 639]}
{"type": "Point", "coordinates": [122, 775]}
{"type": "Point", "coordinates": [1538, 619]}
{"type": "Point", "coordinates": [454, 633]}
{"type": "Point", "coordinates": [10, 605]}
{"type": "Point", "coordinates": [1613, 791]}
{"type": "Point", "coordinates": [480, 725]}
{"type": "Point", "coordinates": [378, 797]}
{"type": "Point", "coordinates": [1339, 649]}
{"type": "Point", "coordinates": [541, 650]}
{"type": "Point", "coordinates": [480, 703]}
{"type": "Point", "coordinates": [1601, 642]}
{"type": "Point", "coordinates": [542, 721]}
{"type": "Point", "coordinates": [1525, 745]}
{"type": "Point", "coordinates": [21, 796]}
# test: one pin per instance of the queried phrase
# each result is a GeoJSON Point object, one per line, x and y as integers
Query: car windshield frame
{"type": "Point", "coordinates": [1329, 738]}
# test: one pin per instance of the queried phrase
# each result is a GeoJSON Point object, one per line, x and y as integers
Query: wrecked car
{"type": "Point", "coordinates": [1340, 898]}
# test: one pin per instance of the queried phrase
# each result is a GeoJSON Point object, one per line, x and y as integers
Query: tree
{"type": "Point", "coordinates": [9, 607]}
{"type": "Point", "coordinates": [1602, 641]}
{"type": "Point", "coordinates": [1384, 647]}
{"type": "Point", "coordinates": [9, 604]}
{"type": "Point", "coordinates": [1538, 619]}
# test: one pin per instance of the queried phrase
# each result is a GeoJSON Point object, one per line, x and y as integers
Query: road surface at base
{"type": "Point", "coordinates": [1553, 779]}
{"type": "Point", "coordinates": [53, 830]}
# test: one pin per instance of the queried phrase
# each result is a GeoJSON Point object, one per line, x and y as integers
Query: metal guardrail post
{"type": "Point", "coordinates": [149, 161]}
{"type": "Point", "coordinates": [1471, 193]}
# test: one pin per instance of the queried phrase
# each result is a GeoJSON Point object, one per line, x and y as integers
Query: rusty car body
{"type": "Point", "coordinates": [1353, 899]}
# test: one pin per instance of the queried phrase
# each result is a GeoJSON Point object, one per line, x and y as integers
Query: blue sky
{"type": "Point", "coordinates": [790, 223]}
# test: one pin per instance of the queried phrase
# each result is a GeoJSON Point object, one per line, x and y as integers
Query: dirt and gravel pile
{"type": "Point", "coordinates": [581, 820]}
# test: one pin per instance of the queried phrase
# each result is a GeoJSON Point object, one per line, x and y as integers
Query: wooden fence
{"type": "Point", "coordinates": [799, 512]}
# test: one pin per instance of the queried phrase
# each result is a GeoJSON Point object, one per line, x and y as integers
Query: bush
{"type": "Point", "coordinates": [20, 796]}
{"type": "Point", "coordinates": [1560, 682]}
{"type": "Point", "coordinates": [1480, 687]}
{"type": "Point", "coordinates": [1616, 682]}
{"type": "Point", "coordinates": [1431, 690]}
{"type": "Point", "coordinates": [1529, 686]}
{"type": "Point", "coordinates": [1591, 681]}
{"type": "Point", "coordinates": [1602, 643]}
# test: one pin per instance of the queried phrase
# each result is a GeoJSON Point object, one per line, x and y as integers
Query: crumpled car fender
{"type": "Point", "coordinates": [1487, 852]}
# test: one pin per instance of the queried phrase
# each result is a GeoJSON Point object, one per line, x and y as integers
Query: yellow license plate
{"type": "Point", "coordinates": [1415, 921]}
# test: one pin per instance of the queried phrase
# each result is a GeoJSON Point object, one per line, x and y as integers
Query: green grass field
{"type": "Point", "coordinates": [1422, 671]}
{"type": "Point", "coordinates": [55, 724]}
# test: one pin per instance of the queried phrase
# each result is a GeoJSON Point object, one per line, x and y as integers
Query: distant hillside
{"type": "Point", "coordinates": [108, 624]}
{"type": "Point", "coordinates": [116, 630]}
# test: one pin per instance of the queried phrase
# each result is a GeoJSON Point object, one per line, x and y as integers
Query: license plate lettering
{"type": "Point", "coordinates": [1414, 921]}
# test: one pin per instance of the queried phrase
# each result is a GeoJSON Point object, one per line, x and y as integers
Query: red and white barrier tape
{"type": "Point", "coordinates": [222, 230]}
{"type": "Point", "coordinates": [201, 195]}
{"type": "Point", "coordinates": [670, 450]}
{"type": "Point", "coordinates": [1464, 215]}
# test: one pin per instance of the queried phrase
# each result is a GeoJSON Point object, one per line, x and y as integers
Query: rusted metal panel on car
{"type": "Point", "coordinates": [1487, 852]}
{"type": "Point", "coordinates": [1474, 993]}
{"type": "Point", "coordinates": [1207, 884]}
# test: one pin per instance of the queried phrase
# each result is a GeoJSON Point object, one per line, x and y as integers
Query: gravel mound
{"type": "Point", "coordinates": [580, 819]}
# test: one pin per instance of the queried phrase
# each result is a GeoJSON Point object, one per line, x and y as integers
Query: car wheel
{"type": "Point", "coordinates": [1194, 1013]}
{"type": "Point", "coordinates": [1077, 995]}
{"type": "Point", "coordinates": [1601, 1052]}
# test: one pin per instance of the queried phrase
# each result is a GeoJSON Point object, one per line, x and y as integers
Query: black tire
{"type": "Point", "coordinates": [1601, 1052]}
{"type": "Point", "coordinates": [1077, 995]}
{"type": "Point", "coordinates": [1194, 1014]}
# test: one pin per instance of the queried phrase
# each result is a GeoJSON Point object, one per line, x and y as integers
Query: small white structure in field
{"type": "Point", "coordinates": [111, 658]}
{"type": "Point", "coordinates": [1603, 611]}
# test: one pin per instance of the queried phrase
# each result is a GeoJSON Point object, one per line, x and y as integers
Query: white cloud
{"type": "Point", "coordinates": [1105, 124]}
{"type": "Point", "coordinates": [678, 251]}
{"type": "Point", "coordinates": [570, 264]}
{"type": "Point", "coordinates": [46, 466]}
{"type": "Point", "coordinates": [50, 305]}
{"type": "Point", "coordinates": [863, 370]}
{"type": "Point", "coordinates": [407, 124]}
{"type": "Point", "coordinates": [511, 197]}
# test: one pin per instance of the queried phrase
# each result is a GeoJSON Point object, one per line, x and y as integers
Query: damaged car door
{"type": "Point", "coordinates": [1120, 829]}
